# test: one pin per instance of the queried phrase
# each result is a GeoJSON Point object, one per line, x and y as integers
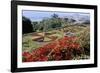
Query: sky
{"type": "Point", "coordinates": [40, 15]}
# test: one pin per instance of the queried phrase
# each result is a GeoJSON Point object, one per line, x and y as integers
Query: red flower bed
{"type": "Point", "coordinates": [61, 49]}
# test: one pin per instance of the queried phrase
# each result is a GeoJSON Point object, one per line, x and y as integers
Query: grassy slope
{"type": "Point", "coordinates": [80, 31]}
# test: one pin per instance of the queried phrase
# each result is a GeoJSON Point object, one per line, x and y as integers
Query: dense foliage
{"type": "Point", "coordinates": [62, 49]}
{"type": "Point", "coordinates": [46, 24]}
{"type": "Point", "coordinates": [27, 26]}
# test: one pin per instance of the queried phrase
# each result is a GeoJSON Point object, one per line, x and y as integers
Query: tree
{"type": "Point", "coordinates": [54, 16]}
{"type": "Point", "coordinates": [55, 21]}
{"type": "Point", "coordinates": [86, 22]}
{"type": "Point", "coordinates": [26, 25]}
{"type": "Point", "coordinates": [35, 26]}
{"type": "Point", "coordinates": [66, 19]}
{"type": "Point", "coordinates": [72, 20]}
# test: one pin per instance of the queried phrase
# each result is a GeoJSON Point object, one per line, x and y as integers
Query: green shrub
{"type": "Point", "coordinates": [84, 40]}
